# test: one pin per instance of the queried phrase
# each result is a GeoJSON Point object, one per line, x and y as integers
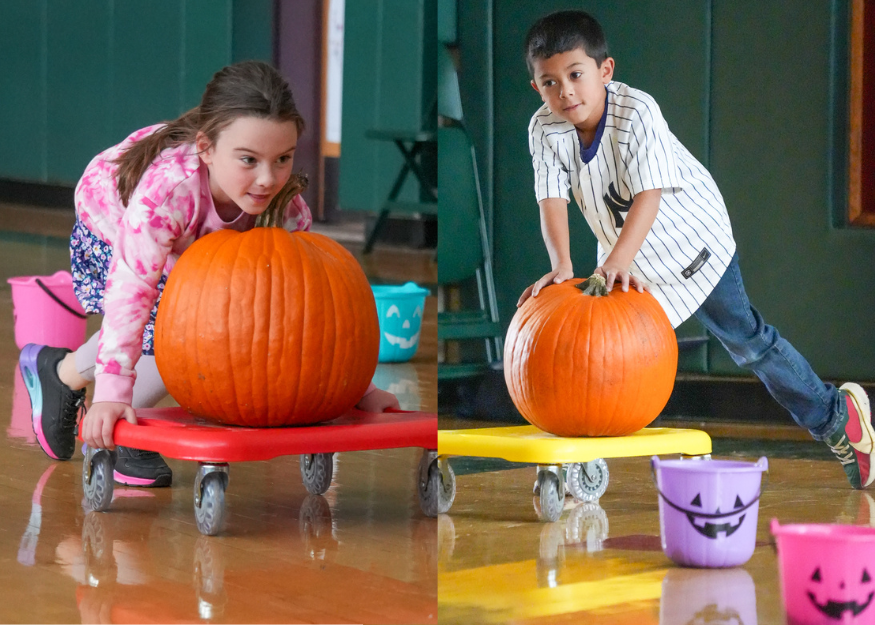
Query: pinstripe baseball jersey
{"type": "Point", "coordinates": [689, 245]}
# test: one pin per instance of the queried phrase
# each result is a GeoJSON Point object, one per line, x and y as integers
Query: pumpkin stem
{"type": "Point", "coordinates": [594, 285]}
{"type": "Point", "coordinates": [273, 216]}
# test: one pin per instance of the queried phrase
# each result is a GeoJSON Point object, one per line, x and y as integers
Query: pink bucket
{"type": "Point", "coordinates": [708, 596]}
{"type": "Point", "coordinates": [827, 572]}
{"type": "Point", "coordinates": [47, 312]}
{"type": "Point", "coordinates": [708, 510]}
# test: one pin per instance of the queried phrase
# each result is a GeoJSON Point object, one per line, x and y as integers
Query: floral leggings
{"type": "Point", "coordinates": [90, 258]}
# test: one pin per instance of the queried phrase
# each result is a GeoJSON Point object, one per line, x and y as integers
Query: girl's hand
{"type": "Point", "coordinates": [98, 423]}
{"type": "Point", "coordinates": [557, 276]}
{"type": "Point", "coordinates": [378, 400]}
{"type": "Point", "coordinates": [613, 274]}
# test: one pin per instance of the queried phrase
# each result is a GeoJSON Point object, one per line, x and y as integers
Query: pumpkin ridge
{"type": "Point", "coordinates": [525, 343]}
{"type": "Point", "coordinates": [326, 302]}
{"type": "Point", "coordinates": [641, 329]}
{"type": "Point", "coordinates": [589, 370]}
{"type": "Point", "coordinates": [226, 314]}
{"type": "Point", "coordinates": [300, 312]}
{"type": "Point", "coordinates": [563, 313]}
{"type": "Point", "coordinates": [284, 327]}
{"type": "Point", "coordinates": [623, 403]}
{"type": "Point", "coordinates": [550, 315]}
{"type": "Point", "coordinates": [348, 359]}
{"type": "Point", "coordinates": [276, 317]}
{"type": "Point", "coordinates": [194, 301]}
{"type": "Point", "coordinates": [220, 249]}
{"type": "Point", "coordinates": [617, 334]}
{"type": "Point", "coordinates": [581, 415]}
{"type": "Point", "coordinates": [340, 353]}
{"type": "Point", "coordinates": [241, 360]}
{"type": "Point", "coordinates": [262, 392]}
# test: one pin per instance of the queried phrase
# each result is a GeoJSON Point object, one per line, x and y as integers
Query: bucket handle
{"type": "Point", "coordinates": [706, 515]}
{"type": "Point", "coordinates": [63, 305]}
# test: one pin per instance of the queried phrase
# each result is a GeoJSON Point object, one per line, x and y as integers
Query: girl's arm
{"type": "Point", "coordinates": [642, 214]}
{"type": "Point", "coordinates": [143, 243]}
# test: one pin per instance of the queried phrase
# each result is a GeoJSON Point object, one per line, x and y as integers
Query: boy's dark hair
{"type": "Point", "coordinates": [564, 31]}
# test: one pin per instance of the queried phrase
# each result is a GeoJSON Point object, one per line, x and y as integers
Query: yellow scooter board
{"type": "Point", "coordinates": [586, 473]}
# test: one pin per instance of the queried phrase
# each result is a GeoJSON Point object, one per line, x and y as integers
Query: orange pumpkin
{"type": "Point", "coordinates": [267, 328]}
{"type": "Point", "coordinates": [590, 365]}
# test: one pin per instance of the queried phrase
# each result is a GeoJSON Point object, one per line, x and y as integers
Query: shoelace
{"type": "Point", "coordinates": [842, 450]}
{"type": "Point", "coordinates": [74, 404]}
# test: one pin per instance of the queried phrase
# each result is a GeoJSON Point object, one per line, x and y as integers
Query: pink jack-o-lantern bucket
{"type": "Point", "coordinates": [827, 573]}
{"type": "Point", "coordinates": [708, 510]}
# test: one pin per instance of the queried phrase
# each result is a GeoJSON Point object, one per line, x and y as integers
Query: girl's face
{"type": "Point", "coordinates": [249, 163]}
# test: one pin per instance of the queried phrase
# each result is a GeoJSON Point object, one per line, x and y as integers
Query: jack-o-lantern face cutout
{"type": "Point", "coordinates": [836, 609]}
{"type": "Point", "coordinates": [713, 615]}
{"type": "Point", "coordinates": [399, 324]}
{"type": "Point", "coordinates": [713, 530]}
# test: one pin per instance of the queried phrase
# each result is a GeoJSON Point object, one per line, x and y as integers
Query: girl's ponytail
{"type": "Point", "coordinates": [134, 162]}
{"type": "Point", "coordinates": [250, 88]}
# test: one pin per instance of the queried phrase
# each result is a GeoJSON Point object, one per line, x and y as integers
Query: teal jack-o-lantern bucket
{"type": "Point", "coordinates": [400, 309]}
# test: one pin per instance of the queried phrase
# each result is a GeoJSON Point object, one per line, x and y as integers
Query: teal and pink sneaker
{"type": "Point", "coordinates": [854, 442]}
{"type": "Point", "coordinates": [54, 405]}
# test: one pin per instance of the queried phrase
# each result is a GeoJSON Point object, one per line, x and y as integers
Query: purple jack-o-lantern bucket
{"type": "Point", "coordinates": [708, 510]}
{"type": "Point", "coordinates": [827, 573]}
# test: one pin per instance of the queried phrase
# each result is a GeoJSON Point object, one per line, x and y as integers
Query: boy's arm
{"type": "Point", "coordinates": [642, 214]}
{"type": "Point", "coordinates": [554, 228]}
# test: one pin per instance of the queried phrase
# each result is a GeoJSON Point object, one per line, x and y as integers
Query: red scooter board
{"type": "Point", "coordinates": [174, 433]}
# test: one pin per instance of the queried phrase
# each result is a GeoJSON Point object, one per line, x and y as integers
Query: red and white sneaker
{"type": "Point", "coordinates": [854, 443]}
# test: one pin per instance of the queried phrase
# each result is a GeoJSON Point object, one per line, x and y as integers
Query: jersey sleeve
{"type": "Point", "coordinates": [297, 215]}
{"type": "Point", "coordinates": [145, 238]}
{"type": "Point", "coordinates": [551, 177]}
{"type": "Point", "coordinates": [650, 163]}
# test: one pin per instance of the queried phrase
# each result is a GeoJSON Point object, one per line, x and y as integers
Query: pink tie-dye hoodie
{"type": "Point", "coordinates": [168, 211]}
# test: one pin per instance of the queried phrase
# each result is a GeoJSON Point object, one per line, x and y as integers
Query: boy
{"type": "Point", "coordinates": [661, 224]}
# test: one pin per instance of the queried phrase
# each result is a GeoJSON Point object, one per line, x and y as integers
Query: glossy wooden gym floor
{"type": "Point", "coordinates": [362, 553]}
{"type": "Point", "coordinates": [602, 563]}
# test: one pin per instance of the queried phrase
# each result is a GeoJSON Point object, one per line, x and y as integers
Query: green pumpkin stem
{"type": "Point", "coordinates": [594, 285]}
{"type": "Point", "coordinates": [273, 216]}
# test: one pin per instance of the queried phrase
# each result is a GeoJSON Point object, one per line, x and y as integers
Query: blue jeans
{"type": "Point", "coordinates": [757, 346]}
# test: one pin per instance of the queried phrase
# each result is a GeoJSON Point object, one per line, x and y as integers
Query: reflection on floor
{"type": "Point", "coordinates": [602, 562]}
{"type": "Point", "coordinates": [363, 552]}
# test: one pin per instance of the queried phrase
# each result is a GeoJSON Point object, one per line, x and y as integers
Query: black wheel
{"type": "Point", "coordinates": [317, 471]}
{"type": "Point", "coordinates": [436, 493]}
{"type": "Point", "coordinates": [97, 482]}
{"type": "Point", "coordinates": [551, 496]}
{"type": "Point", "coordinates": [209, 512]}
{"type": "Point", "coordinates": [588, 481]}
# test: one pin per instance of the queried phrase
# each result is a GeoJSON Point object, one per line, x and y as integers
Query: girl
{"type": "Point", "coordinates": [139, 205]}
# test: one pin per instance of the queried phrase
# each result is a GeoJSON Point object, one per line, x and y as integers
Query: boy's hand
{"type": "Point", "coordinates": [621, 276]}
{"type": "Point", "coordinates": [557, 276]}
{"type": "Point", "coordinates": [378, 400]}
{"type": "Point", "coordinates": [98, 423]}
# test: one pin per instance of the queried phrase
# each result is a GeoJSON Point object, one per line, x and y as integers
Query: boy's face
{"type": "Point", "coordinates": [573, 86]}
